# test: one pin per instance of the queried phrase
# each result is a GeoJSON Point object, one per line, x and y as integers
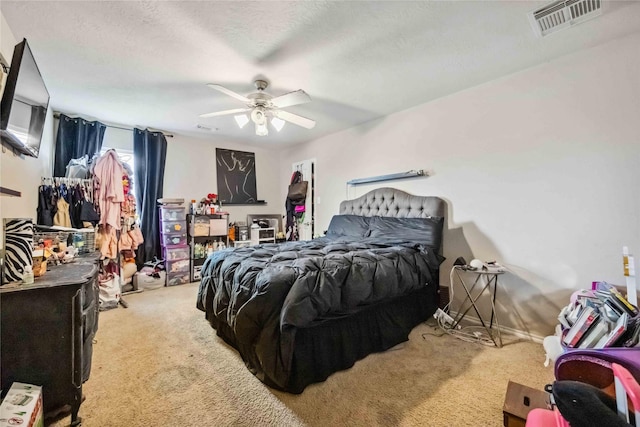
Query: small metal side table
{"type": "Point", "coordinates": [484, 282]}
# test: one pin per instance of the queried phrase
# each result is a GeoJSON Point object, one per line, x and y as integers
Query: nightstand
{"type": "Point", "coordinates": [477, 284]}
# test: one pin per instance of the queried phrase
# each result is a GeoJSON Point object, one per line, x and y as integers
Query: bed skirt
{"type": "Point", "coordinates": [333, 345]}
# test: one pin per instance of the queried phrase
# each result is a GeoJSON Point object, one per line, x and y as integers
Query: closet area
{"type": "Point", "coordinates": [92, 209]}
{"type": "Point", "coordinates": [72, 240]}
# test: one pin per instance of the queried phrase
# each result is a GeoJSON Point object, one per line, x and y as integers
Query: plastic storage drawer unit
{"type": "Point", "coordinates": [172, 253]}
{"type": "Point", "coordinates": [179, 265]}
{"type": "Point", "coordinates": [173, 239]}
{"type": "Point", "coordinates": [174, 226]}
{"type": "Point", "coordinates": [178, 277]}
{"type": "Point", "coordinates": [170, 213]}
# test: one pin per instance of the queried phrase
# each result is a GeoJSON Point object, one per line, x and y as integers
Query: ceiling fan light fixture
{"type": "Point", "coordinates": [262, 108]}
{"type": "Point", "coordinates": [241, 120]}
{"type": "Point", "coordinates": [277, 123]}
{"type": "Point", "coordinates": [258, 116]}
{"type": "Point", "coordinates": [261, 129]}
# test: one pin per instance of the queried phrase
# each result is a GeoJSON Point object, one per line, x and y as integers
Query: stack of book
{"type": "Point", "coordinates": [601, 317]}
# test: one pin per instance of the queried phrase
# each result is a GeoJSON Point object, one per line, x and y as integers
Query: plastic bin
{"type": "Point", "coordinates": [178, 278]}
{"type": "Point", "coordinates": [171, 213]}
{"type": "Point", "coordinates": [173, 239]}
{"type": "Point", "coordinates": [172, 253]}
{"type": "Point", "coordinates": [174, 226]}
{"type": "Point", "coordinates": [177, 266]}
{"type": "Point", "coordinates": [199, 226]}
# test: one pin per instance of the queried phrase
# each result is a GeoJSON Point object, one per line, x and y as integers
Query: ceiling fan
{"type": "Point", "coordinates": [263, 106]}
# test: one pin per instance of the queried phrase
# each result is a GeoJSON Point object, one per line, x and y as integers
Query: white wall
{"type": "Point", "coordinates": [17, 172]}
{"type": "Point", "coordinates": [539, 170]}
{"type": "Point", "coordinates": [190, 173]}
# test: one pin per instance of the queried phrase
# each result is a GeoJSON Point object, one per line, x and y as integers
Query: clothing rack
{"type": "Point", "coordinates": [67, 181]}
{"type": "Point", "coordinates": [86, 183]}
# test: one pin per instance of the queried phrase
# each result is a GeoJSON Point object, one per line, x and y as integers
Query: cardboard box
{"type": "Point", "coordinates": [521, 399]}
{"type": "Point", "coordinates": [22, 406]}
{"type": "Point", "coordinates": [218, 227]}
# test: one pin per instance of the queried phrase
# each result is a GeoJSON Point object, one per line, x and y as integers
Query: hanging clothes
{"type": "Point", "coordinates": [109, 191]}
{"type": "Point", "coordinates": [62, 216]}
{"type": "Point", "coordinates": [108, 242]}
{"type": "Point", "coordinates": [294, 213]}
{"type": "Point", "coordinates": [46, 205]}
{"type": "Point", "coordinates": [76, 196]}
{"type": "Point", "coordinates": [61, 202]}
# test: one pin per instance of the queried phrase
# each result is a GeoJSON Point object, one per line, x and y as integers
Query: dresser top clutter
{"type": "Point", "coordinates": [82, 269]}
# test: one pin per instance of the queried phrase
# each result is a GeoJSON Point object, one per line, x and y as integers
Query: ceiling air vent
{"type": "Point", "coordinates": [563, 14]}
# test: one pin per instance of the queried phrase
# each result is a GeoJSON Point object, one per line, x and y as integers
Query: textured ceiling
{"type": "Point", "coordinates": [146, 63]}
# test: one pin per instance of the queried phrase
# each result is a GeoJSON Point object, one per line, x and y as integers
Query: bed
{"type": "Point", "coordinates": [299, 311]}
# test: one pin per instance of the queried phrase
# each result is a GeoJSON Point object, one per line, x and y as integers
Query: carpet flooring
{"type": "Point", "coordinates": [159, 363]}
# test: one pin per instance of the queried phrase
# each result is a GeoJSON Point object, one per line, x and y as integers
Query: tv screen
{"type": "Point", "coordinates": [24, 103]}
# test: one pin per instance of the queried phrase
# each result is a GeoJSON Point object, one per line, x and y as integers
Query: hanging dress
{"type": "Point", "coordinates": [46, 205]}
{"type": "Point", "coordinates": [62, 217]}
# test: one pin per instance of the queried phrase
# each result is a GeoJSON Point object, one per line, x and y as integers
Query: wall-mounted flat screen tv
{"type": "Point", "coordinates": [24, 103]}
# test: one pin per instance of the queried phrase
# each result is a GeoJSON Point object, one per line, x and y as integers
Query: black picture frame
{"type": "Point", "coordinates": [236, 175]}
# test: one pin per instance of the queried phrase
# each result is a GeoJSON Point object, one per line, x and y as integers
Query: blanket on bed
{"type": "Point", "coordinates": [257, 296]}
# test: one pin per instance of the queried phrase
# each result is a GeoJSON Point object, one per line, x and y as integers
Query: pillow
{"type": "Point", "coordinates": [427, 231]}
{"type": "Point", "coordinates": [349, 226]}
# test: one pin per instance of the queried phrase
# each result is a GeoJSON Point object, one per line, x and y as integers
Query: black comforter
{"type": "Point", "coordinates": [256, 297]}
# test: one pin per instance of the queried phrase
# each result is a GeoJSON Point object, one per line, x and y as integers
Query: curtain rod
{"type": "Point", "coordinates": [168, 135]}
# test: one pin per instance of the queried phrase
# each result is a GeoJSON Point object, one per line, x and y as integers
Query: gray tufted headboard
{"type": "Point", "coordinates": [389, 202]}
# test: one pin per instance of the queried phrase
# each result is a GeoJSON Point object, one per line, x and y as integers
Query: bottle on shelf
{"type": "Point", "coordinates": [255, 233]}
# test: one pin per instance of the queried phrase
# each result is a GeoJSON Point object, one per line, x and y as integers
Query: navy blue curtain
{"type": "Point", "coordinates": [149, 155]}
{"type": "Point", "coordinates": [76, 138]}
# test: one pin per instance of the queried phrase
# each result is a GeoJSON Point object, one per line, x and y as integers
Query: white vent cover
{"type": "Point", "coordinates": [563, 14]}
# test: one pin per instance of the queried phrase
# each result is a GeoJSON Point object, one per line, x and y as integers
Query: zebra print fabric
{"type": "Point", "coordinates": [18, 246]}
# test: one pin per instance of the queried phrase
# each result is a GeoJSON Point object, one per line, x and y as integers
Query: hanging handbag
{"type": "Point", "coordinates": [298, 191]}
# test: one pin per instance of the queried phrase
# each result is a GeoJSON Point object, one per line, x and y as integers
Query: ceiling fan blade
{"type": "Point", "coordinates": [296, 119]}
{"type": "Point", "coordinates": [292, 98]}
{"type": "Point", "coordinates": [229, 92]}
{"type": "Point", "coordinates": [225, 112]}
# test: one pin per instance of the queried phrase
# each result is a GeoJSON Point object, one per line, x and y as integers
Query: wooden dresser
{"type": "Point", "coordinates": [47, 330]}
